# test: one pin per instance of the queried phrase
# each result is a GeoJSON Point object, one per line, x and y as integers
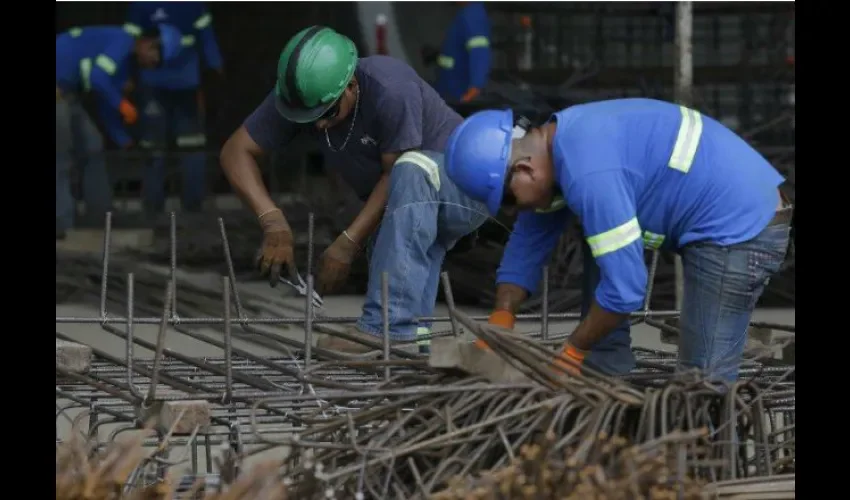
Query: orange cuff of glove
{"type": "Point", "coordinates": [500, 318]}
{"type": "Point", "coordinates": [128, 112]}
{"type": "Point", "coordinates": [573, 354]}
{"type": "Point", "coordinates": [470, 94]}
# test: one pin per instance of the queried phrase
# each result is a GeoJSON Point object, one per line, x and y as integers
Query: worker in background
{"type": "Point", "coordinates": [99, 59]}
{"type": "Point", "coordinates": [638, 173]}
{"type": "Point", "coordinates": [464, 58]}
{"type": "Point", "coordinates": [374, 119]}
{"type": "Point", "coordinates": [170, 101]}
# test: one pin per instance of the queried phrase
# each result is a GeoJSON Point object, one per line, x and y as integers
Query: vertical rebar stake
{"type": "Point", "coordinates": [308, 318]}
{"type": "Point", "coordinates": [228, 342]}
{"type": "Point", "coordinates": [544, 310]}
{"type": "Point", "coordinates": [172, 237]}
{"type": "Point", "coordinates": [104, 275]}
{"type": "Point", "coordinates": [450, 301]}
{"type": "Point", "coordinates": [129, 337]}
{"type": "Point", "coordinates": [385, 317]}
{"type": "Point", "coordinates": [160, 343]}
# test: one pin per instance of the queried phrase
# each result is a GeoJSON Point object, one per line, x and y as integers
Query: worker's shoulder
{"type": "Point", "coordinates": [385, 72]}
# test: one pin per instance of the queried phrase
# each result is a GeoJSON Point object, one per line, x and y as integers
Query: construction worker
{"type": "Point", "coordinates": [97, 59]}
{"type": "Point", "coordinates": [170, 100]}
{"type": "Point", "coordinates": [464, 58]}
{"type": "Point", "coordinates": [638, 173]}
{"type": "Point", "coordinates": [382, 128]}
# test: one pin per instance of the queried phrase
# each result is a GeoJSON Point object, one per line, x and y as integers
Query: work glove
{"type": "Point", "coordinates": [128, 112]}
{"type": "Point", "coordinates": [574, 359]}
{"type": "Point", "coordinates": [500, 318]}
{"type": "Point", "coordinates": [278, 248]}
{"type": "Point", "coordinates": [335, 263]}
{"type": "Point", "coordinates": [470, 94]}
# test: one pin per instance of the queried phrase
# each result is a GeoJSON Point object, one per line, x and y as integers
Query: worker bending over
{"type": "Point", "coordinates": [170, 100]}
{"type": "Point", "coordinates": [375, 121]}
{"type": "Point", "coordinates": [97, 59]}
{"type": "Point", "coordinates": [465, 57]}
{"type": "Point", "coordinates": [638, 173]}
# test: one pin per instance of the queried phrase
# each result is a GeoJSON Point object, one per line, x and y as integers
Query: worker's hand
{"type": "Point", "coordinates": [574, 359]}
{"type": "Point", "coordinates": [278, 247]}
{"type": "Point", "coordinates": [128, 112]}
{"type": "Point", "coordinates": [470, 94]}
{"type": "Point", "coordinates": [335, 264]}
{"type": "Point", "coordinates": [500, 318]}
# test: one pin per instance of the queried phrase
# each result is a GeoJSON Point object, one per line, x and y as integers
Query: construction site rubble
{"type": "Point", "coordinates": [390, 424]}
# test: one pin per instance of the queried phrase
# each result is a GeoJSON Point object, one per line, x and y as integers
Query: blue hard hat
{"type": "Point", "coordinates": [169, 42]}
{"type": "Point", "coordinates": [478, 153]}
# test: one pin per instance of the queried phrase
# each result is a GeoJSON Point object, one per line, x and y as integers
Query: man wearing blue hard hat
{"type": "Point", "coordinates": [638, 173]}
{"type": "Point", "coordinates": [98, 59]}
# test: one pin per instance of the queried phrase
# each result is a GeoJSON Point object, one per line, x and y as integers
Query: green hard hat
{"type": "Point", "coordinates": [314, 68]}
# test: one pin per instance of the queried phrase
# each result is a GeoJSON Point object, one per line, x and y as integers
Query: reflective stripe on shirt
{"type": "Point", "coordinates": [690, 131]}
{"type": "Point", "coordinates": [614, 239]}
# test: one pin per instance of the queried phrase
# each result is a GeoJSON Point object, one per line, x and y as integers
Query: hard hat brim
{"type": "Point", "coordinates": [301, 115]}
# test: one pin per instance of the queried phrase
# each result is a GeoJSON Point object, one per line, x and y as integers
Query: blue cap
{"type": "Point", "coordinates": [170, 42]}
{"type": "Point", "coordinates": [478, 153]}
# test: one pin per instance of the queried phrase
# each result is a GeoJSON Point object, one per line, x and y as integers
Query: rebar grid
{"type": "Point", "coordinates": [393, 427]}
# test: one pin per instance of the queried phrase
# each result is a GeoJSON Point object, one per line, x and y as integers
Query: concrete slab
{"type": "Point", "coordinates": [73, 357]}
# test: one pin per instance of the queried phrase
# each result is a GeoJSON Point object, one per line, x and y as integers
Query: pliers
{"type": "Point", "coordinates": [301, 288]}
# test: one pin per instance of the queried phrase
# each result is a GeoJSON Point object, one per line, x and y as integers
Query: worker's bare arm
{"type": "Point", "coordinates": [596, 325]}
{"type": "Point", "coordinates": [239, 162]}
{"type": "Point", "coordinates": [509, 297]}
{"type": "Point", "coordinates": [370, 215]}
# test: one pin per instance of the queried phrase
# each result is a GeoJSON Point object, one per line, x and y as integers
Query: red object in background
{"type": "Point", "coordinates": [381, 35]}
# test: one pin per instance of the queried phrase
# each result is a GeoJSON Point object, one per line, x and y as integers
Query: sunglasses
{"type": "Point", "coordinates": [332, 112]}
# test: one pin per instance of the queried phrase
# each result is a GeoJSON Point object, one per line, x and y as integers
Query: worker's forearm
{"type": "Point", "coordinates": [509, 297]}
{"type": "Point", "coordinates": [370, 216]}
{"type": "Point", "coordinates": [596, 325]}
{"type": "Point", "coordinates": [242, 172]}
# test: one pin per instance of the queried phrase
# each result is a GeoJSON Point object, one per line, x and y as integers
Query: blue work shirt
{"type": "Point", "coordinates": [643, 173]}
{"type": "Point", "coordinates": [464, 58]}
{"type": "Point", "coordinates": [195, 23]}
{"type": "Point", "coordinates": [97, 59]}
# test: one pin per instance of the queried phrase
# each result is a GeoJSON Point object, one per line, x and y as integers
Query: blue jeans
{"type": "Point", "coordinates": [722, 287]}
{"type": "Point", "coordinates": [79, 142]}
{"type": "Point", "coordinates": [421, 223]}
{"type": "Point", "coordinates": [167, 114]}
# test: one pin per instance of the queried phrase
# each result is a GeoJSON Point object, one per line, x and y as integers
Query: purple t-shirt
{"type": "Point", "coordinates": [398, 111]}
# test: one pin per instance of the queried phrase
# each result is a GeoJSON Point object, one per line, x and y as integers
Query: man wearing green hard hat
{"type": "Point", "coordinates": [382, 129]}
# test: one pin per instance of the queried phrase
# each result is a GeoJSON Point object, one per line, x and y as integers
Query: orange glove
{"type": "Point", "coordinates": [128, 112]}
{"type": "Point", "coordinates": [470, 94]}
{"type": "Point", "coordinates": [574, 355]}
{"type": "Point", "coordinates": [499, 318]}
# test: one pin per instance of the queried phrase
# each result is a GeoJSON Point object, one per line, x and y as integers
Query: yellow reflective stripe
{"type": "Point", "coordinates": [445, 62]}
{"type": "Point", "coordinates": [652, 240]}
{"type": "Point", "coordinates": [477, 42]}
{"type": "Point", "coordinates": [427, 164]}
{"type": "Point", "coordinates": [615, 239]}
{"type": "Point", "coordinates": [203, 21]}
{"type": "Point", "coordinates": [85, 73]}
{"type": "Point", "coordinates": [557, 204]}
{"type": "Point", "coordinates": [187, 40]}
{"type": "Point", "coordinates": [423, 330]}
{"type": "Point", "coordinates": [687, 140]}
{"type": "Point", "coordinates": [191, 140]}
{"type": "Point", "coordinates": [133, 29]}
{"type": "Point", "coordinates": [75, 32]}
{"type": "Point", "coordinates": [106, 64]}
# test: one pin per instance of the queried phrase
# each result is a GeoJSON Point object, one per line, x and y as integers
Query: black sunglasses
{"type": "Point", "coordinates": [332, 112]}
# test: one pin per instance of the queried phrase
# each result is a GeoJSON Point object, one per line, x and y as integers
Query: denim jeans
{"type": "Point", "coordinates": [78, 142]}
{"type": "Point", "coordinates": [722, 287]}
{"type": "Point", "coordinates": [166, 114]}
{"type": "Point", "coordinates": [426, 215]}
